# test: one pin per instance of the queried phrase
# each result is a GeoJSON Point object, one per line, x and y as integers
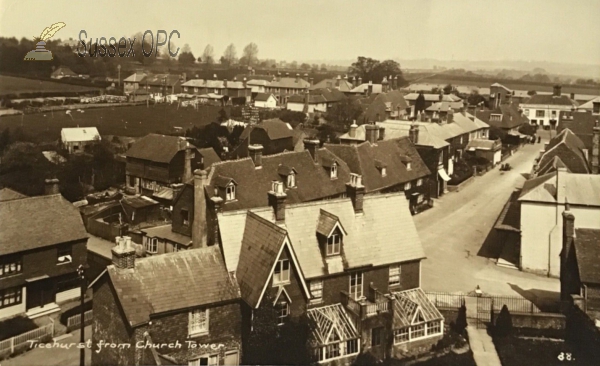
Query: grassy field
{"type": "Point", "coordinates": [537, 352]}
{"type": "Point", "coordinates": [14, 85]}
{"type": "Point", "coordinates": [131, 121]}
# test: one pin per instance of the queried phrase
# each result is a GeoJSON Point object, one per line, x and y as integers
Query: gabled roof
{"type": "Point", "coordinates": [342, 85]}
{"type": "Point", "coordinates": [135, 77]}
{"type": "Point", "coordinates": [511, 117]}
{"type": "Point", "coordinates": [327, 223]}
{"type": "Point", "coordinates": [209, 156]}
{"type": "Point", "coordinates": [590, 104]}
{"type": "Point", "coordinates": [540, 189]}
{"type": "Point", "coordinates": [581, 124]}
{"type": "Point", "coordinates": [37, 222]}
{"type": "Point", "coordinates": [577, 189]}
{"type": "Point", "coordinates": [263, 97]}
{"type": "Point", "coordinates": [313, 181]}
{"type": "Point", "coordinates": [172, 282]}
{"type": "Point", "coordinates": [498, 85]}
{"type": "Point", "coordinates": [158, 79]}
{"type": "Point", "coordinates": [328, 319]}
{"type": "Point", "coordinates": [384, 234]}
{"type": "Point", "coordinates": [79, 134]}
{"type": "Point", "coordinates": [7, 194]}
{"type": "Point", "coordinates": [363, 88]}
{"type": "Point", "coordinates": [549, 99]}
{"type": "Point", "coordinates": [329, 94]}
{"type": "Point", "coordinates": [65, 71]}
{"type": "Point", "coordinates": [312, 99]}
{"type": "Point", "coordinates": [364, 159]}
{"type": "Point", "coordinates": [587, 251]}
{"type": "Point", "coordinates": [377, 106]}
{"type": "Point", "coordinates": [157, 148]}
{"type": "Point", "coordinates": [275, 129]}
{"type": "Point", "coordinates": [410, 303]}
{"type": "Point", "coordinates": [569, 149]}
{"type": "Point", "coordinates": [261, 246]}
{"type": "Point", "coordinates": [289, 82]}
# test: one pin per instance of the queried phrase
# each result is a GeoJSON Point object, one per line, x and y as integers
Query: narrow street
{"type": "Point", "coordinates": [454, 231]}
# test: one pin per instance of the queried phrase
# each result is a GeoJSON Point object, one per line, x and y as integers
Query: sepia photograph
{"type": "Point", "coordinates": [327, 183]}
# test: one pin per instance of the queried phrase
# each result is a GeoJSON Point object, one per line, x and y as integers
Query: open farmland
{"type": "Point", "coordinates": [131, 121]}
{"type": "Point", "coordinates": [14, 85]}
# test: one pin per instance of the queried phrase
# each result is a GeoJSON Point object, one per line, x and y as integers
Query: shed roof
{"type": "Point", "coordinates": [79, 134]}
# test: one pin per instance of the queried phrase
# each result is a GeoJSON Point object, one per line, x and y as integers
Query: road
{"type": "Point", "coordinates": [454, 230]}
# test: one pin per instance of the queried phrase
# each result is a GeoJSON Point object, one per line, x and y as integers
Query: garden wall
{"type": "Point", "coordinates": [458, 187]}
{"type": "Point", "coordinates": [536, 320]}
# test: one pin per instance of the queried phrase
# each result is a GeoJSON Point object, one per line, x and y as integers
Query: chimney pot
{"type": "Point", "coordinates": [277, 200]}
{"type": "Point", "coordinates": [255, 151]}
{"type": "Point", "coordinates": [51, 186]}
{"type": "Point", "coordinates": [312, 145]}
{"type": "Point", "coordinates": [371, 132]}
{"type": "Point", "coordinates": [356, 191]}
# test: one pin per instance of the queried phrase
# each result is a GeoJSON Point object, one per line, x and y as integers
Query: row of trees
{"type": "Point", "coordinates": [229, 58]}
{"type": "Point", "coordinates": [373, 70]}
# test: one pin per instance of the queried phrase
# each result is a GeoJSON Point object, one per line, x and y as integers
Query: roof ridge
{"type": "Point", "coordinates": [29, 198]}
{"type": "Point", "coordinates": [272, 225]}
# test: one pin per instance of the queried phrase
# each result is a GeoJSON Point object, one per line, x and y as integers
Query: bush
{"type": "Point", "coordinates": [504, 325]}
{"type": "Point", "coordinates": [528, 129]}
{"type": "Point", "coordinates": [461, 320]}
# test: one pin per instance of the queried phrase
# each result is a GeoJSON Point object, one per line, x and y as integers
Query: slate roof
{"type": "Point", "coordinates": [313, 181]}
{"type": "Point", "coordinates": [209, 156]}
{"type": "Point", "coordinates": [343, 84]}
{"type": "Point", "coordinates": [578, 189]}
{"type": "Point", "coordinates": [156, 148]}
{"type": "Point", "coordinates": [363, 88]}
{"type": "Point", "coordinates": [549, 99]}
{"type": "Point", "coordinates": [7, 194]}
{"type": "Point", "coordinates": [384, 234]}
{"type": "Point", "coordinates": [157, 79]}
{"type": "Point", "coordinates": [511, 117]}
{"type": "Point", "coordinates": [78, 134]}
{"type": "Point", "coordinates": [260, 246]}
{"type": "Point", "coordinates": [263, 97]}
{"type": "Point", "coordinates": [37, 222]}
{"type": "Point", "coordinates": [541, 189]}
{"type": "Point", "coordinates": [135, 77]}
{"type": "Point", "coordinates": [171, 282]}
{"type": "Point", "coordinates": [433, 97]}
{"type": "Point", "coordinates": [330, 95]}
{"type": "Point", "coordinates": [377, 106]}
{"type": "Point", "coordinates": [581, 124]}
{"type": "Point", "coordinates": [569, 148]}
{"type": "Point", "coordinates": [289, 82]}
{"type": "Point", "coordinates": [275, 128]}
{"type": "Point", "coordinates": [215, 84]}
{"type": "Point", "coordinates": [587, 251]}
{"type": "Point", "coordinates": [312, 99]}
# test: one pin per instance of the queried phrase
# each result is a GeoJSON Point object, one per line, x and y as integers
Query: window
{"type": "Point", "coordinates": [316, 290]}
{"type": "Point", "coordinates": [553, 113]}
{"type": "Point", "coordinates": [434, 327]}
{"type": "Point", "coordinates": [526, 112]}
{"type": "Point", "coordinates": [376, 336]}
{"type": "Point", "coordinates": [230, 192]}
{"type": "Point", "coordinates": [401, 335]}
{"type": "Point", "coordinates": [282, 272]}
{"type": "Point", "coordinates": [185, 216]}
{"type": "Point", "coordinates": [212, 360]}
{"type": "Point", "coordinates": [10, 266]}
{"type": "Point", "coordinates": [65, 255]}
{"type": "Point", "coordinates": [283, 310]}
{"type": "Point", "coordinates": [408, 166]}
{"type": "Point", "coordinates": [333, 350]}
{"type": "Point", "coordinates": [540, 113]}
{"type": "Point", "coordinates": [394, 277]}
{"type": "Point", "coordinates": [10, 297]}
{"type": "Point", "coordinates": [334, 244]}
{"type": "Point", "coordinates": [383, 172]}
{"type": "Point", "coordinates": [356, 288]}
{"type": "Point", "coordinates": [151, 245]}
{"type": "Point", "coordinates": [417, 331]}
{"type": "Point", "coordinates": [291, 180]}
{"type": "Point", "coordinates": [419, 182]}
{"type": "Point", "coordinates": [596, 108]}
{"type": "Point", "coordinates": [198, 322]}
{"type": "Point", "coordinates": [334, 171]}
{"type": "Point", "coordinates": [407, 186]}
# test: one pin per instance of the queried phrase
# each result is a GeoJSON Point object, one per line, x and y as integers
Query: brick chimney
{"type": "Point", "coordinates": [370, 88]}
{"type": "Point", "coordinates": [245, 83]}
{"type": "Point", "coordinates": [51, 187]}
{"type": "Point", "coordinates": [384, 84]}
{"type": "Point", "coordinates": [356, 191]}
{"type": "Point", "coordinates": [123, 253]}
{"type": "Point", "coordinates": [359, 81]}
{"type": "Point", "coordinates": [557, 90]}
{"type": "Point", "coordinates": [450, 116]}
{"type": "Point", "coordinates": [596, 149]}
{"type": "Point", "coordinates": [353, 128]}
{"type": "Point", "coordinates": [187, 167]}
{"type": "Point", "coordinates": [297, 78]}
{"type": "Point", "coordinates": [381, 135]}
{"type": "Point", "coordinates": [312, 145]}
{"type": "Point", "coordinates": [311, 81]}
{"type": "Point", "coordinates": [177, 188]}
{"type": "Point", "coordinates": [371, 132]}
{"type": "Point", "coordinates": [199, 225]}
{"type": "Point", "coordinates": [413, 133]}
{"type": "Point", "coordinates": [395, 82]}
{"type": "Point", "coordinates": [255, 151]}
{"type": "Point", "coordinates": [566, 279]}
{"type": "Point", "coordinates": [277, 198]}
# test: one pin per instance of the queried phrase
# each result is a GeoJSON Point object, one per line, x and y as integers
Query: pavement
{"type": "Point", "coordinates": [460, 243]}
{"type": "Point", "coordinates": [56, 356]}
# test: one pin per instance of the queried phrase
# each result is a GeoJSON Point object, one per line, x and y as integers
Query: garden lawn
{"type": "Point", "coordinates": [15, 85]}
{"type": "Point", "coordinates": [536, 352]}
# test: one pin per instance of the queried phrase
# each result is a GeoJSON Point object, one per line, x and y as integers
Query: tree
{"type": "Point", "coordinates": [373, 70]}
{"type": "Point", "coordinates": [504, 325]}
{"type": "Point", "coordinates": [475, 98]}
{"type": "Point", "coordinates": [461, 320]}
{"type": "Point", "coordinates": [305, 66]}
{"type": "Point", "coordinates": [294, 65]}
{"type": "Point", "coordinates": [208, 55]}
{"type": "Point", "coordinates": [262, 341]}
{"type": "Point", "coordinates": [4, 139]}
{"type": "Point", "coordinates": [323, 67]}
{"type": "Point", "coordinates": [230, 55]}
{"type": "Point", "coordinates": [146, 45]}
{"type": "Point", "coordinates": [448, 89]}
{"type": "Point", "coordinates": [186, 57]}
{"type": "Point", "coordinates": [250, 53]}
{"type": "Point", "coordinates": [342, 114]}
{"type": "Point", "coordinates": [531, 92]}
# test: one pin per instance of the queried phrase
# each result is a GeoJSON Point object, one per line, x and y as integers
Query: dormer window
{"type": "Point", "coordinates": [230, 192]}
{"type": "Point", "coordinates": [334, 244]}
{"type": "Point", "coordinates": [407, 186]}
{"type": "Point", "coordinates": [333, 171]}
{"type": "Point", "coordinates": [383, 172]}
{"type": "Point", "coordinates": [408, 166]}
{"type": "Point", "coordinates": [291, 180]}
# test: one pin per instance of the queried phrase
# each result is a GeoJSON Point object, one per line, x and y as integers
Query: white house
{"type": "Point", "coordinates": [543, 110]}
{"type": "Point", "coordinates": [77, 138]}
{"type": "Point", "coordinates": [299, 103]}
{"type": "Point", "coordinates": [265, 100]}
{"type": "Point", "coordinates": [542, 202]}
{"type": "Point", "coordinates": [257, 85]}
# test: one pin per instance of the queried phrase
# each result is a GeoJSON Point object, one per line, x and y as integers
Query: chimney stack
{"type": "Point", "coordinates": [566, 280]}
{"type": "Point", "coordinates": [225, 83]}
{"type": "Point", "coordinates": [255, 152]}
{"type": "Point", "coordinates": [384, 84]}
{"type": "Point", "coordinates": [199, 225]}
{"type": "Point", "coordinates": [381, 133]}
{"type": "Point", "coordinates": [245, 83]}
{"type": "Point", "coordinates": [450, 116]}
{"type": "Point", "coordinates": [311, 81]}
{"type": "Point", "coordinates": [395, 82]}
{"type": "Point", "coordinates": [277, 198]}
{"type": "Point", "coordinates": [371, 132]}
{"type": "Point", "coordinates": [187, 168]}
{"type": "Point", "coordinates": [413, 133]}
{"type": "Point", "coordinates": [356, 191]}
{"type": "Point", "coordinates": [123, 253]}
{"type": "Point", "coordinates": [312, 145]}
{"type": "Point", "coordinates": [177, 188]}
{"type": "Point", "coordinates": [370, 88]}
{"type": "Point", "coordinates": [596, 149]}
{"type": "Point", "coordinates": [359, 81]}
{"type": "Point", "coordinates": [557, 90]}
{"type": "Point", "coordinates": [51, 187]}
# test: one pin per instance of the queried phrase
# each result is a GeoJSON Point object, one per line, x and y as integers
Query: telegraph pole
{"type": "Point", "coordinates": [81, 274]}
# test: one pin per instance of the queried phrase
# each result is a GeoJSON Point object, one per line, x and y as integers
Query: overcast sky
{"type": "Point", "coordinates": [534, 30]}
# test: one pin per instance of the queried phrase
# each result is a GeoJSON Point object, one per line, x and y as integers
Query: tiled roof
{"type": "Point", "coordinates": [511, 117]}
{"type": "Point", "coordinates": [313, 181]}
{"type": "Point", "coordinates": [379, 105]}
{"type": "Point", "coordinates": [329, 94]}
{"type": "Point", "coordinates": [77, 134]}
{"type": "Point", "coordinates": [209, 156]}
{"type": "Point", "coordinates": [263, 97]}
{"type": "Point", "coordinates": [577, 189]}
{"type": "Point", "coordinates": [289, 83]}
{"type": "Point", "coordinates": [171, 282]}
{"type": "Point", "coordinates": [342, 85]}
{"type": "Point", "coordinates": [384, 234]}
{"type": "Point", "coordinates": [569, 148]}
{"type": "Point", "coordinates": [64, 71]}
{"type": "Point", "coordinates": [433, 97]}
{"type": "Point", "coordinates": [36, 222]}
{"type": "Point", "coordinates": [260, 247]}
{"type": "Point", "coordinates": [362, 159]}
{"type": "Point", "coordinates": [581, 124]}
{"type": "Point", "coordinates": [157, 148]}
{"type": "Point", "coordinates": [587, 251]}
{"type": "Point", "coordinates": [275, 128]}
{"type": "Point", "coordinates": [157, 79]}
{"type": "Point", "coordinates": [135, 77]}
{"type": "Point", "coordinates": [549, 99]}
{"type": "Point", "coordinates": [363, 88]}
{"type": "Point", "coordinates": [7, 194]}
{"type": "Point", "coordinates": [312, 99]}
{"type": "Point", "coordinates": [166, 232]}
{"type": "Point", "coordinates": [445, 106]}
{"type": "Point", "coordinates": [327, 223]}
